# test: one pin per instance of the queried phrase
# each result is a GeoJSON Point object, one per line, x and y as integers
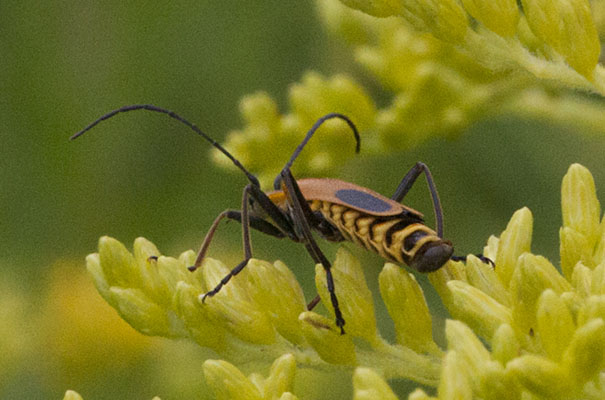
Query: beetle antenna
{"type": "Point", "coordinates": [174, 115]}
{"type": "Point", "coordinates": [312, 131]}
{"type": "Point", "coordinates": [316, 126]}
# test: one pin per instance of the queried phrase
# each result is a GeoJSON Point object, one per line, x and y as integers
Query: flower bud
{"type": "Point", "coordinates": [455, 381]}
{"type": "Point", "coordinates": [568, 27]}
{"type": "Point", "coordinates": [481, 312]}
{"type": "Point", "coordinates": [119, 266]}
{"type": "Point", "coordinates": [71, 395]}
{"type": "Point", "coordinates": [323, 335]}
{"type": "Point", "coordinates": [500, 16]}
{"type": "Point", "coordinates": [405, 303]}
{"type": "Point", "coordinates": [532, 276]}
{"type": "Point", "coordinates": [514, 241]}
{"type": "Point", "coordinates": [233, 308]}
{"type": "Point", "coordinates": [574, 248]}
{"type": "Point", "coordinates": [505, 345]}
{"type": "Point", "coordinates": [579, 204]}
{"type": "Point", "coordinates": [142, 313]}
{"type": "Point", "coordinates": [585, 356]}
{"type": "Point", "coordinates": [468, 348]}
{"type": "Point", "coordinates": [354, 298]}
{"type": "Point", "coordinates": [281, 377]}
{"type": "Point", "coordinates": [581, 279]}
{"type": "Point", "coordinates": [483, 276]}
{"type": "Point", "coordinates": [368, 385]}
{"type": "Point", "coordinates": [275, 289]}
{"type": "Point", "coordinates": [539, 375]}
{"type": "Point", "coordinates": [228, 382]}
{"type": "Point", "coordinates": [555, 324]}
{"type": "Point", "coordinates": [496, 384]}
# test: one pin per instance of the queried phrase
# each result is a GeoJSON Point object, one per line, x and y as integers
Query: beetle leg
{"type": "Point", "coordinates": [245, 220]}
{"type": "Point", "coordinates": [248, 221]}
{"type": "Point", "coordinates": [408, 181]}
{"type": "Point", "coordinates": [301, 211]}
{"type": "Point", "coordinates": [313, 302]}
{"type": "Point", "coordinates": [255, 222]}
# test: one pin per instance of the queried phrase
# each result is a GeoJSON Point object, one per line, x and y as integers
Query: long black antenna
{"type": "Point", "coordinates": [310, 133]}
{"type": "Point", "coordinates": [174, 115]}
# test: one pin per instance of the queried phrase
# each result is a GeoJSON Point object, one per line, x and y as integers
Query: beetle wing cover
{"type": "Point", "coordinates": [352, 196]}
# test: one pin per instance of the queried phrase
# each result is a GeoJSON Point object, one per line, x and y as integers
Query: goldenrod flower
{"type": "Point", "coordinates": [229, 383]}
{"type": "Point", "coordinates": [446, 64]}
{"type": "Point", "coordinates": [521, 330]}
{"type": "Point", "coordinates": [268, 135]}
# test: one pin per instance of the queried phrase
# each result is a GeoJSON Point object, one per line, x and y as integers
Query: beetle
{"type": "Point", "coordinates": [336, 210]}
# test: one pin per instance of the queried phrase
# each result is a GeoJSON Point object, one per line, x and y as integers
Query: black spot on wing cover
{"type": "Point", "coordinates": [362, 200]}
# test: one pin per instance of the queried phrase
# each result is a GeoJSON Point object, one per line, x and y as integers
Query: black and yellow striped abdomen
{"type": "Point", "coordinates": [402, 238]}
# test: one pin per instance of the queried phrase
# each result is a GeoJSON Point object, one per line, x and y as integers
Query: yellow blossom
{"type": "Point", "coordinates": [542, 332]}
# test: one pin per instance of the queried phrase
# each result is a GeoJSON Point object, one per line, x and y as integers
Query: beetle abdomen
{"type": "Point", "coordinates": [402, 239]}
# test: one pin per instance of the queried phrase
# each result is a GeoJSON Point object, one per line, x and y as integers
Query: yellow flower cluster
{"type": "Point", "coordinates": [269, 137]}
{"type": "Point", "coordinates": [561, 31]}
{"type": "Point", "coordinates": [545, 330]}
{"type": "Point", "coordinates": [522, 330]}
{"type": "Point", "coordinates": [447, 64]}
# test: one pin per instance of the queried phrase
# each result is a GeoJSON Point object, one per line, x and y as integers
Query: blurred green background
{"type": "Point", "coordinates": [64, 63]}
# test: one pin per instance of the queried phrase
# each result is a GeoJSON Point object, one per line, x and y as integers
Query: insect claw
{"type": "Point", "coordinates": [206, 295]}
{"type": "Point", "coordinates": [340, 323]}
{"type": "Point", "coordinates": [313, 303]}
{"type": "Point", "coordinates": [152, 258]}
{"type": "Point", "coordinates": [487, 260]}
{"type": "Point", "coordinates": [458, 258]}
{"type": "Point", "coordinates": [192, 268]}
{"type": "Point", "coordinates": [484, 259]}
